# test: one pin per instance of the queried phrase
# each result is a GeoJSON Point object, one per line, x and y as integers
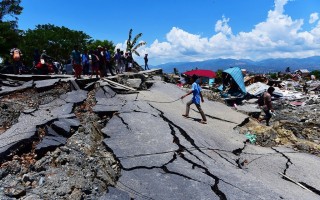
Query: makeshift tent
{"type": "Point", "coordinates": [201, 73]}
{"type": "Point", "coordinates": [237, 76]}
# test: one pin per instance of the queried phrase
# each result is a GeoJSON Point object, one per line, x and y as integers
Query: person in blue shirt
{"type": "Point", "coordinates": [197, 96]}
{"type": "Point", "coordinates": [108, 61]}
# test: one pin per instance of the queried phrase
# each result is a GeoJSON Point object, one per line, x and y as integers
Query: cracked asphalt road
{"type": "Point", "coordinates": [166, 156]}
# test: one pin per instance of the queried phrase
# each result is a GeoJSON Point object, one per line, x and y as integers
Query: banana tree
{"type": "Point", "coordinates": [132, 46]}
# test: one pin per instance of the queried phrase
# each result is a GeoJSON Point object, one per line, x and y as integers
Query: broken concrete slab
{"type": "Point", "coordinates": [105, 92]}
{"type": "Point", "coordinates": [76, 96]}
{"type": "Point", "coordinates": [50, 111]}
{"type": "Point", "coordinates": [45, 84]}
{"type": "Point", "coordinates": [49, 143]}
{"type": "Point", "coordinates": [73, 122]}
{"type": "Point", "coordinates": [115, 127]}
{"type": "Point", "coordinates": [62, 128]}
{"type": "Point", "coordinates": [7, 90]}
{"type": "Point", "coordinates": [116, 194]}
{"type": "Point", "coordinates": [25, 129]}
{"type": "Point", "coordinates": [14, 136]}
{"type": "Point", "coordinates": [64, 125]}
{"type": "Point", "coordinates": [134, 83]}
{"type": "Point", "coordinates": [115, 101]}
{"type": "Point", "coordinates": [106, 108]}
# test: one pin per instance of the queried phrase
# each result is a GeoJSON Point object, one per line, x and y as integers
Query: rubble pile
{"type": "Point", "coordinates": [295, 124]}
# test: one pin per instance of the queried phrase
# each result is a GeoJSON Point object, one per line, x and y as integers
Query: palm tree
{"type": "Point", "coordinates": [131, 45]}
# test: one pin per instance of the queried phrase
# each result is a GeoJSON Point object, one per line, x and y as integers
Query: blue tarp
{"type": "Point", "coordinates": [236, 74]}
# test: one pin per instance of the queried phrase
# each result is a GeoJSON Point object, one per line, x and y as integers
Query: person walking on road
{"type": "Point", "coordinates": [196, 90]}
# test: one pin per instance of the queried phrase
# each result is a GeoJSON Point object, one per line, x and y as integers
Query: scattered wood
{"type": "Point", "coordinates": [118, 84]}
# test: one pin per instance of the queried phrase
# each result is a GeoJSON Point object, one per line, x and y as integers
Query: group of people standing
{"type": "Point", "coordinates": [98, 61]}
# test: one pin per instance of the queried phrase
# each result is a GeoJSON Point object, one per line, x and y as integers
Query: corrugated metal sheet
{"type": "Point", "coordinates": [258, 88]}
{"type": "Point", "coordinates": [236, 74]}
{"type": "Point", "coordinates": [303, 71]}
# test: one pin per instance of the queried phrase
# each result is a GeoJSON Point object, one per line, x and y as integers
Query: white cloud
{"type": "Point", "coordinates": [223, 27]}
{"type": "Point", "coordinates": [278, 36]}
{"type": "Point", "coordinates": [313, 17]}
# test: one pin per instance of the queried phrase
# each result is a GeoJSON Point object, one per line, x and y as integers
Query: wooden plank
{"type": "Point", "coordinates": [295, 182]}
{"type": "Point", "coordinates": [75, 85]}
{"type": "Point", "coordinates": [118, 84]}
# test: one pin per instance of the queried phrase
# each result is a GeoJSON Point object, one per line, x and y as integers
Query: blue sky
{"type": "Point", "coordinates": [190, 30]}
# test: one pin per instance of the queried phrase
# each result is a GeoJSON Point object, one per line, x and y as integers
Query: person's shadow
{"type": "Point", "coordinates": [194, 119]}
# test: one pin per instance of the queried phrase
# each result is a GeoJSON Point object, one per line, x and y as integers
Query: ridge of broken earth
{"type": "Point", "coordinates": [45, 85]}
{"type": "Point", "coordinates": [26, 136]}
{"type": "Point", "coordinates": [33, 77]}
{"type": "Point", "coordinates": [12, 83]}
{"type": "Point", "coordinates": [43, 140]}
{"type": "Point", "coordinates": [8, 90]}
{"type": "Point", "coordinates": [85, 82]}
{"type": "Point", "coordinates": [56, 135]}
{"type": "Point", "coordinates": [282, 133]}
{"type": "Point", "coordinates": [11, 105]}
{"type": "Point", "coordinates": [82, 166]}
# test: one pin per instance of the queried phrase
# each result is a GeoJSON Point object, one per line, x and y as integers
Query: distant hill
{"type": "Point", "coordinates": [263, 66]}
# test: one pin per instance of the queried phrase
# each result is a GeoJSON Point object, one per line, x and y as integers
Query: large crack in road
{"type": "Point", "coordinates": [179, 153]}
{"type": "Point", "coordinates": [288, 164]}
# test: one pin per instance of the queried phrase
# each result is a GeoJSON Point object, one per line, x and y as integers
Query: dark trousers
{"type": "Point", "coordinates": [86, 68]}
{"type": "Point", "coordinates": [102, 69]}
{"type": "Point", "coordinates": [109, 66]}
{"type": "Point", "coordinates": [16, 67]}
{"type": "Point", "coordinates": [199, 109]}
{"type": "Point", "coordinates": [267, 116]}
{"type": "Point", "coordinates": [146, 66]}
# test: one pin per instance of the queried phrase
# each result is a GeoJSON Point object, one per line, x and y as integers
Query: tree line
{"type": "Point", "coordinates": [57, 41]}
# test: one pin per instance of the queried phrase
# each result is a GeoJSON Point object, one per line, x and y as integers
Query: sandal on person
{"type": "Point", "coordinates": [203, 122]}
{"type": "Point", "coordinates": [186, 116]}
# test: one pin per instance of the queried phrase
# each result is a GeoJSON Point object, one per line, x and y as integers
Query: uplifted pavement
{"type": "Point", "coordinates": [166, 156]}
